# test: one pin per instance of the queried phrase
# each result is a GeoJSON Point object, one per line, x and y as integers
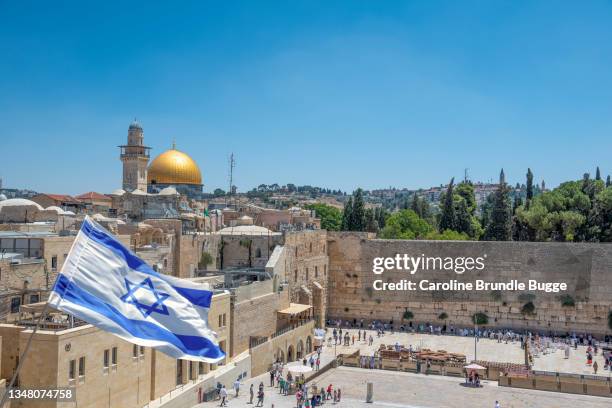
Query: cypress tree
{"type": "Point", "coordinates": [608, 183]}
{"type": "Point", "coordinates": [463, 219]}
{"type": "Point", "coordinates": [448, 219]}
{"type": "Point", "coordinates": [358, 222]}
{"type": "Point", "coordinates": [500, 222]}
{"type": "Point", "coordinates": [347, 215]}
{"type": "Point", "coordinates": [529, 188]}
{"type": "Point", "coordinates": [597, 174]}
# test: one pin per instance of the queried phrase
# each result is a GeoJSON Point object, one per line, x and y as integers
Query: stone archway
{"type": "Point", "coordinates": [308, 345]}
{"type": "Point", "coordinates": [279, 356]}
{"type": "Point", "coordinates": [299, 350]}
{"type": "Point", "coordinates": [290, 354]}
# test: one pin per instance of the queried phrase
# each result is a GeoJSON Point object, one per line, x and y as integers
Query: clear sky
{"type": "Point", "coordinates": [330, 93]}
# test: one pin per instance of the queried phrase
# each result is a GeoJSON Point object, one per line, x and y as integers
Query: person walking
{"type": "Point", "coordinates": [595, 367]}
{"type": "Point", "coordinates": [272, 374]}
{"type": "Point", "coordinates": [223, 395]}
{"type": "Point", "coordinates": [251, 394]}
{"type": "Point", "coordinates": [260, 398]}
{"type": "Point", "coordinates": [237, 386]}
{"type": "Point", "coordinates": [497, 404]}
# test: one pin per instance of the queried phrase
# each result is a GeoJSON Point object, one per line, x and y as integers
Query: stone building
{"type": "Point", "coordinates": [104, 369]}
{"type": "Point", "coordinates": [135, 157]}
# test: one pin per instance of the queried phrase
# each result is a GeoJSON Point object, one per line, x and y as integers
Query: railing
{"type": "Point", "coordinates": [291, 327]}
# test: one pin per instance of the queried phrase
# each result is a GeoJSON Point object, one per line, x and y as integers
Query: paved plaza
{"type": "Point", "coordinates": [407, 390]}
{"type": "Point", "coordinates": [486, 349]}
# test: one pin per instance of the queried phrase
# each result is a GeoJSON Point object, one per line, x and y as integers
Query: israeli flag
{"type": "Point", "coordinates": [106, 285]}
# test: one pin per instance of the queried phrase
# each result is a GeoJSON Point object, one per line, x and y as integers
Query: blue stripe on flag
{"type": "Point", "coordinates": [198, 297]}
{"type": "Point", "coordinates": [189, 345]}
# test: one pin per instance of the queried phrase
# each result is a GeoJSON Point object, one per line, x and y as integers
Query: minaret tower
{"type": "Point", "coordinates": [135, 157]}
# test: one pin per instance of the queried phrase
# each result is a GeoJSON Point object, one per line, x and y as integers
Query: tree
{"type": "Point", "coordinates": [331, 217]}
{"type": "Point", "coordinates": [405, 224]}
{"type": "Point", "coordinates": [597, 174]}
{"type": "Point", "coordinates": [447, 218]}
{"type": "Point", "coordinates": [500, 223]}
{"type": "Point", "coordinates": [358, 221]}
{"type": "Point", "coordinates": [608, 182]}
{"type": "Point", "coordinates": [463, 218]}
{"type": "Point", "coordinates": [465, 190]}
{"type": "Point", "coordinates": [347, 215]}
{"type": "Point", "coordinates": [218, 192]}
{"type": "Point", "coordinates": [529, 187]}
{"type": "Point", "coordinates": [371, 225]}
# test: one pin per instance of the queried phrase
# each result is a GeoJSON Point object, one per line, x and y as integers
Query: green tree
{"type": "Point", "coordinates": [405, 224]}
{"type": "Point", "coordinates": [371, 224]}
{"type": "Point", "coordinates": [331, 217]}
{"type": "Point", "coordinates": [529, 187]}
{"type": "Point", "coordinates": [347, 215]}
{"type": "Point", "coordinates": [218, 192]}
{"type": "Point", "coordinates": [597, 174]}
{"type": "Point", "coordinates": [500, 223]}
{"type": "Point", "coordinates": [463, 218]}
{"type": "Point", "coordinates": [358, 220]}
{"type": "Point", "coordinates": [608, 182]}
{"type": "Point", "coordinates": [447, 217]}
{"type": "Point", "coordinates": [465, 190]}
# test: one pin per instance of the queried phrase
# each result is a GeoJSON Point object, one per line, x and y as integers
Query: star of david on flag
{"type": "Point", "coordinates": [106, 285]}
{"type": "Point", "coordinates": [146, 285]}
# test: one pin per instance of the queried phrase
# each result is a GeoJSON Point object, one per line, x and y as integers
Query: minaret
{"type": "Point", "coordinates": [135, 157]}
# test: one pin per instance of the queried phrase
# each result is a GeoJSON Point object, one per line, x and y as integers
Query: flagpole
{"type": "Point", "coordinates": [23, 355]}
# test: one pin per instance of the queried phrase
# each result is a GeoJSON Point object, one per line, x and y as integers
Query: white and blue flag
{"type": "Point", "coordinates": [105, 284]}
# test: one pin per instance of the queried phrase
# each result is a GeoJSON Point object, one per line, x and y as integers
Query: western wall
{"type": "Point", "coordinates": [585, 268]}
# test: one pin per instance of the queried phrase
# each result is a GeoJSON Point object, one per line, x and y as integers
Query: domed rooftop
{"type": "Point", "coordinates": [135, 125]}
{"type": "Point", "coordinates": [19, 202]}
{"type": "Point", "coordinates": [246, 230]}
{"type": "Point", "coordinates": [118, 192]}
{"type": "Point", "coordinates": [174, 167]}
{"type": "Point", "coordinates": [168, 191]}
{"type": "Point", "coordinates": [56, 209]}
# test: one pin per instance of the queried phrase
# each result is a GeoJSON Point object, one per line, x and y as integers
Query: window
{"type": "Point", "coordinates": [296, 252]}
{"type": "Point", "coordinates": [106, 357]}
{"type": "Point", "coordinates": [258, 253]}
{"type": "Point", "coordinates": [165, 263]}
{"type": "Point", "coordinates": [200, 367]}
{"type": "Point", "coordinates": [81, 367]}
{"type": "Point", "coordinates": [316, 271]}
{"type": "Point", "coordinates": [142, 351]}
{"type": "Point", "coordinates": [114, 361]}
{"type": "Point", "coordinates": [54, 262]}
{"type": "Point", "coordinates": [311, 247]}
{"type": "Point", "coordinates": [71, 369]}
{"type": "Point", "coordinates": [324, 270]}
{"type": "Point", "coordinates": [134, 351]}
{"type": "Point", "coordinates": [34, 298]}
{"type": "Point", "coordinates": [306, 273]}
{"type": "Point", "coordinates": [192, 373]}
{"type": "Point", "coordinates": [15, 304]}
{"type": "Point", "coordinates": [295, 275]}
{"type": "Point", "coordinates": [224, 320]}
{"type": "Point", "coordinates": [220, 320]}
{"type": "Point", "coordinates": [179, 372]}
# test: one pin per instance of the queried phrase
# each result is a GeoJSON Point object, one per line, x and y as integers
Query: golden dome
{"type": "Point", "coordinates": [174, 167]}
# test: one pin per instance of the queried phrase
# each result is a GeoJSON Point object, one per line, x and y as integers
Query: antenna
{"type": "Point", "coordinates": [232, 164]}
{"type": "Point", "coordinates": [466, 174]}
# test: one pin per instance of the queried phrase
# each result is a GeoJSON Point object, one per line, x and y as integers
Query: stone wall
{"type": "Point", "coordinates": [586, 268]}
{"type": "Point", "coordinates": [255, 317]}
{"type": "Point", "coordinates": [306, 263]}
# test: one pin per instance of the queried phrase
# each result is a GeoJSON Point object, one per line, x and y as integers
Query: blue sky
{"type": "Point", "coordinates": [337, 94]}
